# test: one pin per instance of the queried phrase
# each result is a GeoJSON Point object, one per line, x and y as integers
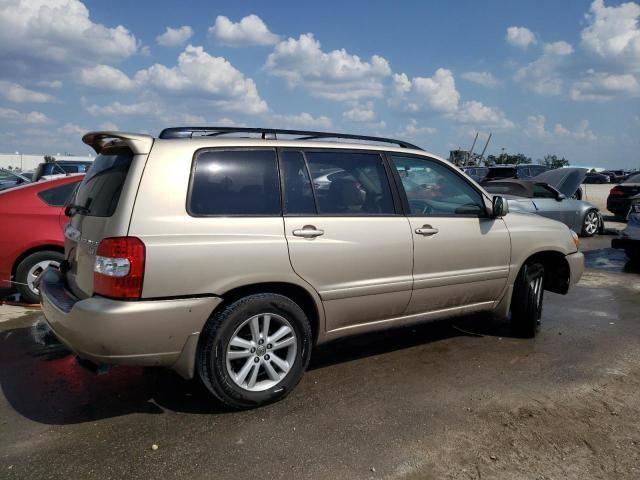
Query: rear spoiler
{"type": "Point", "coordinates": [139, 144]}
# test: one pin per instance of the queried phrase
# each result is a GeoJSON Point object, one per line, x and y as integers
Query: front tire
{"type": "Point", "coordinates": [590, 224]}
{"type": "Point", "coordinates": [30, 268]}
{"type": "Point", "coordinates": [255, 350]}
{"type": "Point", "coordinates": [526, 303]}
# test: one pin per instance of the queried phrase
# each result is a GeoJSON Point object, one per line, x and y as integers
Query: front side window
{"type": "Point", "coordinates": [432, 189]}
{"type": "Point", "coordinates": [235, 182]}
{"type": "Point", "coordinates": [58, 196]}
{"type": "Point", "coordinates": [349, 183]}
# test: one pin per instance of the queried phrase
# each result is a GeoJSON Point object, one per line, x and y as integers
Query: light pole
{"type": "Point", "coordinates": [18, 153]}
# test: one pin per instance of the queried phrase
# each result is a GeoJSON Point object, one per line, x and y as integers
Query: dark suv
{"type": "Point", "coordinates": [500, 172]}
{"type": "Point", "coordinates": [61, 167]}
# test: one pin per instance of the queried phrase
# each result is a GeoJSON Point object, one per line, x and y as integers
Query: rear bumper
{"type": "Point", "coordinates": [618, 205]}
{"type": "Point", "coordinates": [576, 267]}
{"type": "Point", "coordinates": [112, 332]}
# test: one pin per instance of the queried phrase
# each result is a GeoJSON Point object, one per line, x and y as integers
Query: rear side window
{"type": "Point", "coordinates": [58, 196]}
{"type": "Point", "coordinates": [235, 182]}
{"type": "Point", "coordinates": [100, 190]}
{"type": "Point", "coordinates": [349, 183]}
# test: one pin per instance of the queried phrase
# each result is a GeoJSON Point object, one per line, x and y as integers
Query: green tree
{"type": "Point", "coordinates": [509, 159]}
{"type": "Point", "coordinates": [552, 161]}
{"type": "Point", "coordinates": [49, 159]}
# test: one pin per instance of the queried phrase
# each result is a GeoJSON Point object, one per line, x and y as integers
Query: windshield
{"type": "Point", "coordinates": [100, 190]}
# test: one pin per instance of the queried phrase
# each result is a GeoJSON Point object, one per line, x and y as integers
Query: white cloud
{"type": "Point", "coordinates": [543, 76]}
{"type": "Point", "coordinates": [14, 116]}
{"type": "Point", "coordinates": [337, 75]}
{"type": "Point", "coordinates": [486, 79]}
{"type": "Point", "coordinates": [18, 94]}
{"type": "Point", "coordinates": [117, 108]}
{"type": "Point", "coordinates": [44, 35]}
{"type": "Point", "coordinates": [535, 128]}
{"type": "Point", "coordinates": [581, 132]}
{"type": "Point", "coordinates": [108, 126]}
{"type": "Point", "coordinates": [360, 113]}
{"type": "Point", "coordinates": [302, 120]}
{"type": "Point", "coordinates": [437, 93]}
{"type": "Point", "coordinates": [72, 129]}
{"type": "Point", "coordinates": [602, 86]}
{"type": "Point", "coordinates": [250, 30]}
{"type": "Point", "coordinates": [211, 78]}
{"type": "Point", "coordinates": [477, 113]}
{"type": "Point", "coordinates": [413, 130]}
{"type": "Point", "coordinates": [520, 37]}
{"type": "Point", "coordinates": [50, 83]}
{"type": "Point", "coordinates": [105, 77]}
{"type": "Point", "coordinates": [613, 34]}
{"type": "Point", "coordinates": [175, 37]}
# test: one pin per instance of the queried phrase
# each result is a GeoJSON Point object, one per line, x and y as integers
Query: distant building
{"type": "Point", "coordinates": [26, 163]}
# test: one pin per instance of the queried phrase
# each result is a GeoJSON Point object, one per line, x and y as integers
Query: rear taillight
{"type": "Point", "coordinates": [616, 192]}
{"type": "Point", "coordinates": [119, 268]}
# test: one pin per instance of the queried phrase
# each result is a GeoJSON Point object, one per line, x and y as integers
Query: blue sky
{"type": "Point", "coordinates": [543, 77]}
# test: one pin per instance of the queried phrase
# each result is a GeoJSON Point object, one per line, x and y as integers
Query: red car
{"type": "Point", "coordinates": [32, 219]}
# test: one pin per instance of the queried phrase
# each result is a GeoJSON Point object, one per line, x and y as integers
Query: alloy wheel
{"type": "Point", "coordinates": [261, 352]}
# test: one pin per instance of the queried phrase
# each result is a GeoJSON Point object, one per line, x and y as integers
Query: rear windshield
{"type": "Point", "coordinates": [100, 190]}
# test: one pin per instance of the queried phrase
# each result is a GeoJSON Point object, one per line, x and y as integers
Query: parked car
{"type": "Point", "coordinates": [514, 171]}
{"type": "Point", "coordinates": [550, 195]}
{"type": "Point", "coordinates": [616, 176]}
{"type": "Point", "coordinates": [32, 218]}
{"type": "Point", "coordinates": [619, 199]}
{"type": "Point", "coordinates": [10, 179]}
{"type": "Point", "coordinates": [629, 238]}
{"type": "Point", "coordinates": [217, 256]}
{"type": "Point", "coordinates": [477, 173]}
{"type": "Point", "coordinates": [60, 167]}
{"type": "Point", "coordinates": [597, 178]}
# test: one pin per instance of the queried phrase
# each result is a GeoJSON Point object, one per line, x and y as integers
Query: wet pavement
{"type": "Point", "coordinates": [454, 399]}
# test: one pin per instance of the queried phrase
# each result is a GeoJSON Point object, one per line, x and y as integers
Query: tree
{"type": "Point", "coordinates": [552, 161]}
{"type": "Point", "coordinates": [508, 159]}
{"type": "Point", "coordinates": [49, 159]}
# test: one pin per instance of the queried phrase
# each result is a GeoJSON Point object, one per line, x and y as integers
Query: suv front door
{"type": "Point", "coordinates": [345, 235]}
{"type": "Point", "coordinates": [461, 256]}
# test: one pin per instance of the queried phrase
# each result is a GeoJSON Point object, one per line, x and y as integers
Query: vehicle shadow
{"type": "Point", "coordinates": [43, 381]}
{"type": "Point", "coordinates": [610, 260]}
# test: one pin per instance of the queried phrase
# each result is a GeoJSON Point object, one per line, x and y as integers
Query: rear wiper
{"type": "Point", "coordinates": [72, 209]}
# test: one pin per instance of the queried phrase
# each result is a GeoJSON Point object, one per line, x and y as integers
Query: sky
{"type": "Point", "coordinates": [542, 77]}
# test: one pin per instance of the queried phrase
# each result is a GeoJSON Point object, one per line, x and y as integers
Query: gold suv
{"type": "Point", "coordinates": [229, 257]}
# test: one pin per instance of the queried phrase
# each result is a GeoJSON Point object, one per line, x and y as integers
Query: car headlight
{"type": "Point", "coordinates": [576, 239]}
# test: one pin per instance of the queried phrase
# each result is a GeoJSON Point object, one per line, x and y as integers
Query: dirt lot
{"type": "Point", "coordinates": [433, 402]}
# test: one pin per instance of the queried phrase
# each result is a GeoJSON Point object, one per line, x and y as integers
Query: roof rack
{"type": "Point", "coordinates": [187, 132]}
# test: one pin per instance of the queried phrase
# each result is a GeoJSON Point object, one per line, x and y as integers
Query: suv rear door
{"type": "Point", "coordinates": [103, 201]}
{"type": "Point", "coordinates": [345, 234]}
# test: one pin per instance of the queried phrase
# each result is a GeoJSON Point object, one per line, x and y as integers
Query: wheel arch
{"type": "Point", "coordinates": [557, 273]}
{"type": "Point", "coordinates": [32, 250]}
{"type": "Point", "coordinates": [300, 295]}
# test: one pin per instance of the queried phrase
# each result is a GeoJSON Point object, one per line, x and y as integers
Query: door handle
{"type": "Point", "coordinates": [308, 231]}
{"type": "Point", "coordinates": [427, 230]}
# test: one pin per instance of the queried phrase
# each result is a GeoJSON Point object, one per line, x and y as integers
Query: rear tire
{"type": "Point", "coordinates": [30, 268]}
{"type": "Point", "coordinates": [526, 303]}
{"type": "Point", "coordinates": [231, 344]}
{"type": "Point", "coordinates": [590, 224]}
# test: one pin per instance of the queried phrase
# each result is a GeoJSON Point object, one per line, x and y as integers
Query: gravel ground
{"type": "Point", "coordinates": [448, 400]}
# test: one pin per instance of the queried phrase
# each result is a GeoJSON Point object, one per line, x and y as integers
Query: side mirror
{"type": "Point", "coordinates": [560, 197]}
{"type": "Point", "coordinates": [500, 207]}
